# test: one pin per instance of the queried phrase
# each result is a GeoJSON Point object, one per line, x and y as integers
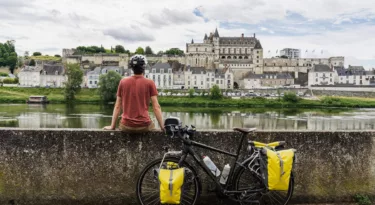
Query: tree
{"type": "Point", "coordinates": [73, 84]}
{"type": "Point", "coordinates": [37, 54]}
{"type": "Point", "coordinates": [108, 84]}
{"type": "Point", "coordinates": [174, 51]}
{"type": "Point", "coordinates": [160, 53]}
{"type": "Point", "coordinates": [12, 62]}
{"type": "Point", "coordinates": [291, 97]}
{"type": "Point", "coordinates": [139, 51]}
{"type": "Point", "coordinates": [215, 93]}
{"type": "Point", "coordinates": [32, 62]}
{"type": "Point", "coordinates": [57, 56]}
{"type": "Point", "coordinates": [148, 50]}
{"type": "Point", "coordinates": [119, 49]}
{"type": "Point", "coordinates": [191, 92]}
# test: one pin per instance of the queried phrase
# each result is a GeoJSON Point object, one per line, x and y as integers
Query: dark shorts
{"type": "Point", "coordinates": [125, 128]}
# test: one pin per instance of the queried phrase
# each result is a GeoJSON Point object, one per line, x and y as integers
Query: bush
{"type": "Point", "coordinates": [57, 56]}
{"type": "Point", "coordinates": [362, 199]}
{"type": "Point", "coordinates": [3, 74]}
{"type": "Point", "coordinates": [37, 54]}
{"type": "Point", "coordinates": [191, 92]}
{"type": "Point", "coordinates": [10, 80]}
{"type": "Point", "coordinates": [331, 101]}
{"type": "Point", "coordinates": [290, 97]}
{"type": "Point", "coordinates": [108, 85]}
{"type": "Point", "coordinates": [216, 92]}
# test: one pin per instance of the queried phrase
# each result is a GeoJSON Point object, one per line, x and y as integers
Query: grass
{"type": "Point", "coordinates": [46, 58]}
{"type": "Point", "coordinates": [90, 96]}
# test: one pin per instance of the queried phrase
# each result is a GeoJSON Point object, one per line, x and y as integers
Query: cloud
{"type": "Point", "coordinates": [171, 17]}
{"type": "Point", "coordinates": [132, 34]}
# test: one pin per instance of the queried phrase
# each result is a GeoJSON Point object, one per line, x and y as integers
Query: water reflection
{"type": "Point", "coordinates": [94, 117]}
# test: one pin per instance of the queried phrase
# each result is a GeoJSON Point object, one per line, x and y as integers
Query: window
{"type": "Point", "coordinates": [228, 50]}
{"type": "Point", "coordinates": [90, 82]}
{"type": "Point", "coordinates": [316, 74]}
{"type": "Point", "coordinates": [195, 82]}
{"type": "Point", "coordinates": [316, 79]}
{"type": "Point", "coordinates": [213, 79]}
{"type": "Point", "coordinates": [330, 79]}
{"type": "Point", "coordinates": [196, 61]}
{"type": "Point", "coordinates": [257, 51]}
{"type": "Point", "coordinates": [146, 76]}
{"type": "Point", "coordinates": [162, 71]}
{"type": "Point", "coordinates": [257, 61]}
{"type": "Point", "coordinates": [188, 82]}
{"type": "Point", "coordinates": [201, 82]}
{"type": "Point", "coordinates": [178, 76]}
{"type": "Point", "coordinates": [228, 76]}
{"type": "Point", "coordinates": [217, 81]}
{"type": "Point", "coordinates": [196, 49]}
{"type": "Point", "coordinates": [195, 77]}
{"type": "Point", "coordinates": [153, 70]}
{"type": "Point", "coordinates": [207, 79]}
{"type": "Point", "coordinates": [330, 74]}
{"type": "Point", "coordinates": [205, 49]}
{"type": "Point", "coordinates": [257, 56]}
{"type": "Point", "coordinates": [169, 70]}
{"type": "Point", "coordinates": [234, 50]}
{"type": "Point", "coordinates": [96, 82]}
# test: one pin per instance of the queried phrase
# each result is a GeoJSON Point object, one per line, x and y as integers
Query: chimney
{"type": "Point", "coordinates": [254, 35]}
{"type": "Point", "coordinates": [242, 35]}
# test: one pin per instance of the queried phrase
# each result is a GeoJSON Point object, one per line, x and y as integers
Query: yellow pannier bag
{"type": "Point", "coordinates": [277, 167]}
{"type": "Point", "coordinates": [171, 181]}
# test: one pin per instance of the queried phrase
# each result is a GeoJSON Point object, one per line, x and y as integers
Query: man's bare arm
{"type": "Point", "coordinates": [116, 113]}
{"type": "Point", "coordinates": [157, 110]}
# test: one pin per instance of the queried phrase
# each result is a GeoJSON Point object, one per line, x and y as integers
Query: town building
{"type": "Point", "coordinates": [29, 76]}
{"type": "Point", "coordinates": [354, 75]}
{"type": "Point", "coordinates": [162, 75]}
{"type": "Point", "coordinates": [201, 78]}
{"type": "Point", "coordinates": [321, 74]}
{"type": "Point", "coordinates": [93, 77]}
{"type": "Point", "coordinates": [291, 53]}
{"type": "Point", "coordinates": [52, 75]}
{"type": "Point", "coordinates": [252, 80]}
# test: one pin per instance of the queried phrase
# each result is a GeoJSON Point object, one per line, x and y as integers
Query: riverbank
{"type": "Point", "coordinates": [90, 96]}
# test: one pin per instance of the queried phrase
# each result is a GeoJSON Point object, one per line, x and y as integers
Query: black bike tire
{"type": "Point", "coordinates": [198, 184]}
{"type": "Point", "coordinates": [241, 169]}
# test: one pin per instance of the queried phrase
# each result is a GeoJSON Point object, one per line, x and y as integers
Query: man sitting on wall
{"type": "Point", "coordinates": [133, 98]}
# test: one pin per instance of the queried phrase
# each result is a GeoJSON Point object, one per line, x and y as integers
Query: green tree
{"type": "Point", "coordinates": [215, 93]}
{"type": "Point", "coordinates": [160, 53]}
{"type": "Point", "coordinates": [191, 92]}
{"type": "Point", "coordinates": [174, 51]}
{"type": "Point", "coordinates": [32, 62]}
{"type": "Point", "coordinates": [108, 85]}
{"type": "Point", "coordinates": [148, 50]}
{"type": "Point", "coordinates": [58, 56]}
{"type": "Point", "coordinates": [119, 49]}
{"type": "Point", "coordinates": [140, 51]}
{"type": "Point", "coordinates": [12, 62]}
{"type": "Point", "coordinates": [37, 54]}
{"type": "Point", "coordinates": [290, 97]}
{"type": "Point", "coordinates": [73, 84]}
{"type": "Point", "coordinates": [20, 61]}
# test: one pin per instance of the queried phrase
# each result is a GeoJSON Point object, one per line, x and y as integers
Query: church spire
{"type": "Point", "coordinates": [205, 36]}
{"type": "Point", "coordinates": [216, 33]}
{"type": "Point", "coordinates": [192, 41]}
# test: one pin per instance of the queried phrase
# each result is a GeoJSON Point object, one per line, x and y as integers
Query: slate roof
{"type": "Point", "coordinates": [96, 71]}
{"type": "Point", "coordinates": [258, 45]}
{"type": "Point", "coordinates": [112, 68]}
{"type": "Point", "coordinates": [51, 69]}
{"type": "Point", "coordinates": [321, 68]}
{"type": "Point", "coordinates": [216, 33]}
{"type": "Point", "coordinates": [158, 66]}
{"type": "Point", "coordinates": [31, 69]}
{"type": "Point", "coordinates": [205, 36]}
{"type": "Point", "coordinates": [238, 40]}
{"type": "Point", "coordinates": [197, 70]}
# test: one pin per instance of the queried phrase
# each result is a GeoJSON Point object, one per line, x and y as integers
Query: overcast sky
{"type": "Point", "coordinates": [338, 27]}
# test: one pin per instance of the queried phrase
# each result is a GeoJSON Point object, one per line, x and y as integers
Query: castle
{"type": "Point", "coordinates": [242, 54]}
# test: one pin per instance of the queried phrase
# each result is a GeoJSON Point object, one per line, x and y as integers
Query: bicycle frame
{"type": "Point", "coordinates": [187, 149]}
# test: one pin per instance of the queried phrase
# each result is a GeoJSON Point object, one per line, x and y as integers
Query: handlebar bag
{"type": "Point", "coordinates": [171, 182]}
{"type": "Point", "coordinates": [276, 168]}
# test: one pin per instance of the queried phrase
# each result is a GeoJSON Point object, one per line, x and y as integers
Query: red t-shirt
{"type": "Point", "coordinates": [136, 93]}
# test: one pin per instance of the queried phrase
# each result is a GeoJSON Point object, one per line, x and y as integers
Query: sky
{"type": "Point", "coordinates": [320, 28]}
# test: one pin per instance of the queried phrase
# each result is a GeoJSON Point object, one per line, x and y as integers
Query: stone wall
{"type": "Point", "coordinates": [98, 167]}
{"type": "Point", "coordinates": [367, 92]}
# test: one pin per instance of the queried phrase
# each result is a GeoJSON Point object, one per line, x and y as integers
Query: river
{"type": "Point", "coordinates": [96, 117]}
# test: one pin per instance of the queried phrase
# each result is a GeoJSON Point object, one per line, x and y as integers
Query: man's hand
{"type": "Point", "coordinates": [109, 128]}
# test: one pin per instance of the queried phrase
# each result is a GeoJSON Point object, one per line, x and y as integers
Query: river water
{"type": "Point", "coordinates": [96, 117]}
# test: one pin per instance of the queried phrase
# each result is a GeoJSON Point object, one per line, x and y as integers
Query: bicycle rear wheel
{"type": "Point", "coordinates": [245, 179]}
{"type": "Point", "coordinates": [148, 183]}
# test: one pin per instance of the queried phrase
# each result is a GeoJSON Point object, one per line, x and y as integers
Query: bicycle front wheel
{"type": "Point", "coordinates": [148, 183]}
{"type": "Point", "coordinates": [246, 180]}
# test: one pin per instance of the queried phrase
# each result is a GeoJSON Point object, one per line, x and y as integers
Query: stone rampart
{"type": "Point", "coordinates": [53, 166]}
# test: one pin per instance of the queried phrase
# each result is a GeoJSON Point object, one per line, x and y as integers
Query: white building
{"type": "Point", "coordinates": [29, 76]}
{"type": "Point", "coordinates": [52, 76]}
{"type": "Point", "coordinates": [252, 81]}
{"type": "Point", "coordinates": [179, 78]}
{"type": "Point", "coordinates": [201, 78]}
{"type": "Point", "coordinates": [354, 75]}
{"type": "Point", "coordinates": [162, 75]}
{"type": "Point", "coordinates": [117, 69]}
{"type": "Point", "coordinates": [291, 53]}
{"type": "Point", "coordinates": [321, 75]}
{"type": "Point", "coordinates": [93, 77]}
